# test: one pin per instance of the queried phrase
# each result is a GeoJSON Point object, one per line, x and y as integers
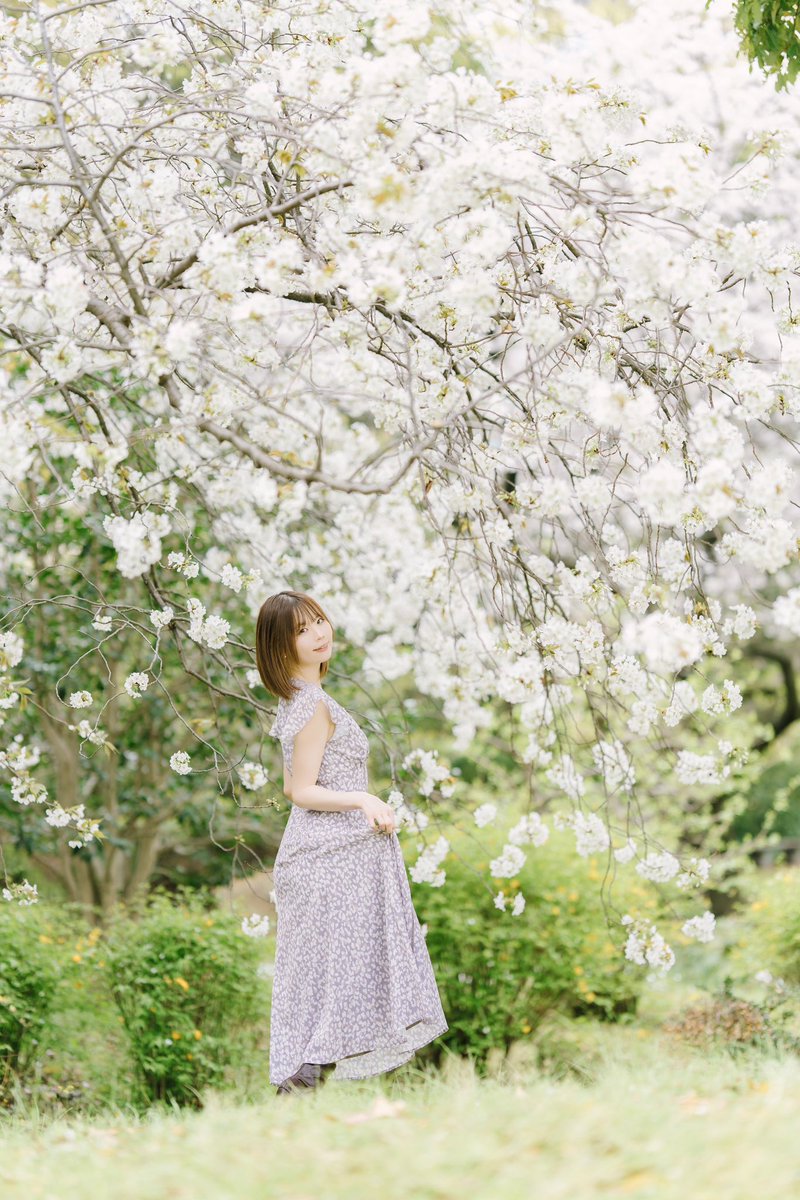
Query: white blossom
{"type": "Point", "coordinates": [426, 869]}
{"type": "Point", "coordinates": [408, 816]}
{"type": "Point", "coordinates": [137, 541]}
{"type": "Point", "coordinates": [646, 946]}
{"type": "Point", "coordinates": [179, 761]}
{"type": "Point", "coordinates": [24, 893]}
{"type": "Point", "coordinates": [565, 775]}
{"type": "Point", "coordinates": [613, 762]}
{"type": "Point", "coordinates": [183, 563]}
{"type": "Point", "coordinates": [232, 577]}
{"type": "Point", "coordinates": [136, 683]}
{"type": "Point", "coordinates": [215, 632]}
{"type": "Point", "coordinates": [698, 768]}
{"type": "Point", "coordinates": [701, 927]}
{"type": "Point", "coordinates": [161, 617]}
{"type": "Point", "coordinates": [103, 620]}
{"type": "Point", "coordinates": [591, 833]}
{"type": "Point", "coordinates": [721, 700]}
{"type": "Point", "coordinates": [256, 925]}
{"type": "Point", "coordinates": [57, 816]}
{"type": "Point", "coordinates": [695, 875]}
{"type": "Point", "coordinates": [509, 862]}
{"type": "Point", "coordinates": [432, 772]}
{"type": "Point", "coordinates": [625, 853]}
{"type": "Point", "coordinates": [252, 775]}
{"type": "Point", "coordinates": [11, 647]}
{"type": "Point", "coordinates": [658, 866]}
{"type": "Point", "coordinates": [530, 829]}
{"type": "Point", "coordinates": [26, 790]}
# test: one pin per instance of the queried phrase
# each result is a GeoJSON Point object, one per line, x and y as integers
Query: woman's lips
{"type": "Point", "coordinates": [321, 648]}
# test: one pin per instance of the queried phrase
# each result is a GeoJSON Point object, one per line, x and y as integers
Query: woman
{"type": "Point", "coordinates": [353, 987]}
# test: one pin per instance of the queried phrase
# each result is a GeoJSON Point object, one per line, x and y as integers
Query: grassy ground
{"type": "Point", "coordinates": [579, 1111]}
{"type": "Point", "coordinates": [648, 1120]}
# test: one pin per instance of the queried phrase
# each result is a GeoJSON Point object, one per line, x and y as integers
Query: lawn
{"type": "Point", "coordinates": [647, 1118]}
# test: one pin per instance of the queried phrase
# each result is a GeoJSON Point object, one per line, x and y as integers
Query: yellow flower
{"type": "Point", "coordinates": [209, 921]}
{"type": "Point", "coordinates": [181, 983]}
{"type": "Point", "coordinates": [44, 938]}
{"type": "Point", "coordinates": [555, 910]}
{"type": "Point", "coordinates": [176, 1036]}
{"type": "Point", "coordinates": [573, 896]}
{"type": "Point", "coordinates": [578, 970]}
{"type": "Point", "coordinates": [526, 1028]}
{"type": "Point", "coordinates": [95, 933]}
{"type": "Point", "coordinates": [77, 958]}
{"type": "Point", "coordinates": [190, 1056]}
{"type": "Point", "coordinates": [515, 883]}
{"type": "Point", "coordinates": [197, 1034]}
{"type": "Point", "coordinates": [590, 996]}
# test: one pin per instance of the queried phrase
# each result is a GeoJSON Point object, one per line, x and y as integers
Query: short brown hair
{"type": "Point", "coordinates": [279, 619]}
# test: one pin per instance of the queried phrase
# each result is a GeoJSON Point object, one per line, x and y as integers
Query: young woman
{"type": "Point", "coordinates": [353, 987]}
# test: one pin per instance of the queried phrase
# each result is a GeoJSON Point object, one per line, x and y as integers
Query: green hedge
{"type": "Point", "coordinates": [500, 974]}
{"type": "Point", "coordinates": [30, 971]}
{"type": "Point", "coordinates": [769, 928]}
{"type": "Point", "coordinates": [183, 976]}
{"type": "Point", "coordinates": [161, 1003]}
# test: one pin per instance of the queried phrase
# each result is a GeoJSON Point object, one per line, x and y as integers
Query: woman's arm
{"type": "Point", "coordinates": [309, 747]}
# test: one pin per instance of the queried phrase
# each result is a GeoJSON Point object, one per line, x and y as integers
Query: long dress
{"type": "Point", "coordinates": [353, 982]}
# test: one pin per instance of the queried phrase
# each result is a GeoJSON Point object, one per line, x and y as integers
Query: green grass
{"type": "Point", "coordinates": [649, 1120]}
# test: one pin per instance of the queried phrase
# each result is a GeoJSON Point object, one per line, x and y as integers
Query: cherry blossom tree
{"type": "Point", "coordinates": [474, 321]}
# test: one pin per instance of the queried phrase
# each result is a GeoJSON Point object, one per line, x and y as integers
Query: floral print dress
{"type": "Point", "coordinates": [353, 982]}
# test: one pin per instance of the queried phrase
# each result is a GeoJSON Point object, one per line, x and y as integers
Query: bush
{"type": "Point", "coordinates": [500, 974]}
{"type": "Point", "coordinates": [724, 1020]}
{"type": "Point", "coordinates": [29, 974]}
{"type": "Point", "coordinates": [769, 932]}
{"type": "Point", "coordinates": [183, 976]}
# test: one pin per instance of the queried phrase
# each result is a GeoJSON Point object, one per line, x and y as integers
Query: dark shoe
{"type": "Point", "coordinates": [307, 1077]}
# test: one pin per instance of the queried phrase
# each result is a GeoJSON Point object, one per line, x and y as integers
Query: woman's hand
{"type": "Point", "coordinates": [380, 815]}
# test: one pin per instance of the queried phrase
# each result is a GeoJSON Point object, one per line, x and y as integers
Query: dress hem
{"type": "Point", "coordinates": [439, 1028]}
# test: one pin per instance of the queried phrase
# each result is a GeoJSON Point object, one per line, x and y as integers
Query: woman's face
{"type": "Point", "coordinates": [314, 641]}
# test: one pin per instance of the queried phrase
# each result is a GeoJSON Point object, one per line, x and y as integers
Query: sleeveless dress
{"type": "Point", "coordinates": [353, 982]}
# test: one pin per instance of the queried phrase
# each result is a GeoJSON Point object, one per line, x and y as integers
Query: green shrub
{"type": "Point", "coordinates": [769, 928]}
{"type": "Point", "coordinates": [31, 965]}
{"type": "Point", "coordinates": [500, 974]}
{"type": "Point", "coordinates": [184, 979]}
